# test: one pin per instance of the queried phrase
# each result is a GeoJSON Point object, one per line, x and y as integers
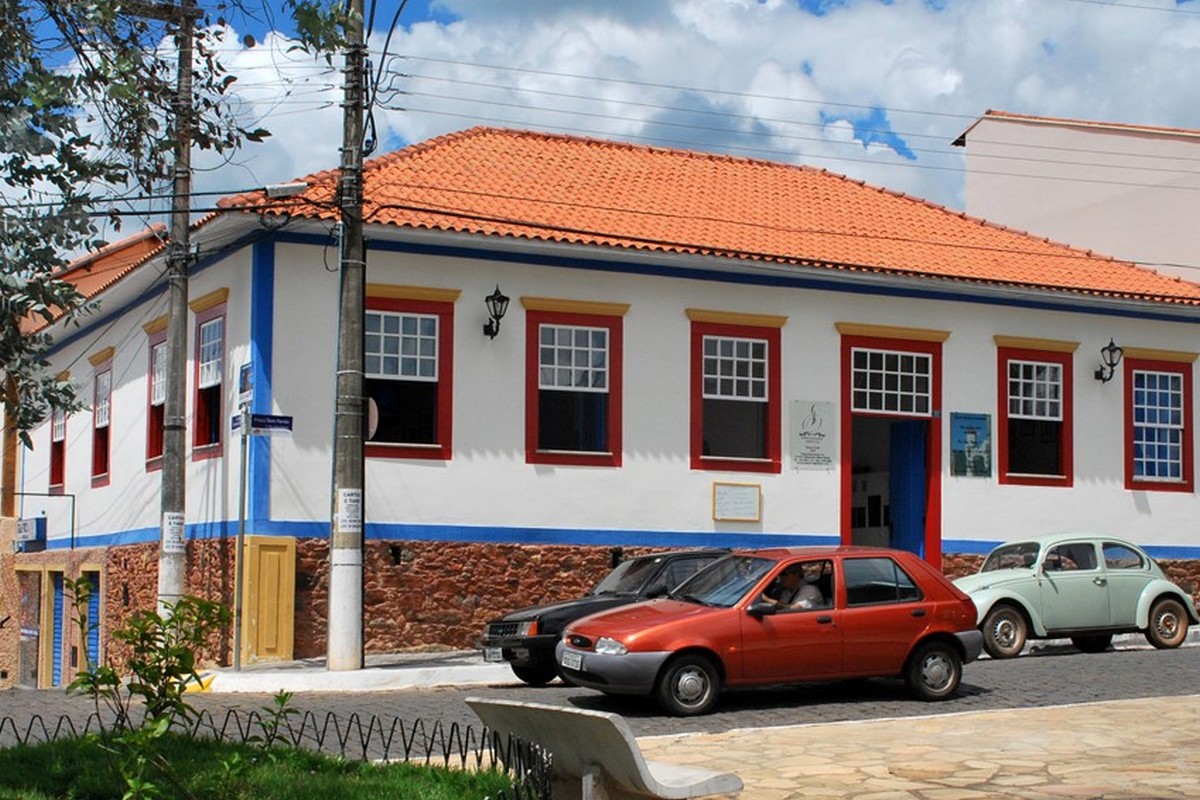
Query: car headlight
{"type": "Point", "coordinates": [529, 628]}
{"type": "Point", "coordinates": [610, 647]}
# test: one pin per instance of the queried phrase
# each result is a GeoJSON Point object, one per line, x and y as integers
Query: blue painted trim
{"type": "Point", "coordinates": [85, 329]}
{"type": "Point", "coordinates": [262, 329]}
{"type": "Point", "coordinates": [607, 537]}
{"type": "Point", "coordinates": [731, 276]}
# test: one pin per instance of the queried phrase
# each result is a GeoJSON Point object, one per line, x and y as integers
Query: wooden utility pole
{"type": "Point", "coordinates": [345, 620]}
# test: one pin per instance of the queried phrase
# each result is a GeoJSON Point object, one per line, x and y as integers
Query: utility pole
{"type": "Point", "coordinates": [8, 462]}
{"type": "Point", "coordinates": [345, 620]}
{"type": "Point", "coordinates": [172, 554]}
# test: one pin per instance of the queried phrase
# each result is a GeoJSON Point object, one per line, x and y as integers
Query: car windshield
{"type": "Point", "coordinates": [724, 582]}
{"type": "Point", "coordinates": [1021, 555]}
{"type": "Point", "coordinates": [628, 577]}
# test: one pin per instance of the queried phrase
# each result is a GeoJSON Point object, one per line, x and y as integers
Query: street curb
{"type": "Point", "coordinates": [362, 680]}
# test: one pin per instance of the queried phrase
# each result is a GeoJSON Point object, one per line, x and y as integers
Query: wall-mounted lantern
{"type": "Point", "coordinates": [1110, 357]}
{"type": "Point", "coordinates": [497, 305]}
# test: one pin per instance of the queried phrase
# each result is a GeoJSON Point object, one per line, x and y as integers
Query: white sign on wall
{"type": "Point", "coordinates": [737, 502]}
{"type": "Point", "coordinates": [811, 439]}
{"type": "Point", "coordinates": [172, 533]}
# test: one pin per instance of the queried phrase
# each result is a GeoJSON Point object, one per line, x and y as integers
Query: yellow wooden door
{"type": "Point", "coordinates": [269, 598]}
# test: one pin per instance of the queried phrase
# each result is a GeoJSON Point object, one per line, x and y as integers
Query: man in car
{"type": "Point", "coordinates": [796, 588]}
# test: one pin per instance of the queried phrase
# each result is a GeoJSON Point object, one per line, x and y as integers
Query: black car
{"type": "Point", "coordinates": [525, 638]}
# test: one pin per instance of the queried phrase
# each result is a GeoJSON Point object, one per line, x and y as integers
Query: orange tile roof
{"type": "Point", "coordinates": [94, 272]}
{"type": "Point", "coordinates": [567, 189]}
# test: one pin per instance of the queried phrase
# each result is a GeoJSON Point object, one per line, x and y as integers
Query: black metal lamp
{"type": "Point", "coordinates": [497, 306]}
{"type": "Point", "coordinates": [1110, 356]}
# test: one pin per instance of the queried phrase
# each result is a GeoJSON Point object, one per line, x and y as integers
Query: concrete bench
{"type": "Point", "coordinates": [595, 756]}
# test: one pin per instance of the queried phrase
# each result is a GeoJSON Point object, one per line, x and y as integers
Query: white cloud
{"type": "Point", "coordinates": [757, 77]}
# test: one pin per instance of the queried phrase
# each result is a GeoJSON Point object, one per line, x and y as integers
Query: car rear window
{"type": "Point", "coordinates": [1119, 556]}
{"type": "Point", "coordinates": [1019, 555]}
{"type": "Point", "coordinates": [629, 576]}
{"type": "Point", "coordinates": [877, 580]}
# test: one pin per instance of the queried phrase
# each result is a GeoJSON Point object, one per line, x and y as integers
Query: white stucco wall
{"type": "Point", "coordinates": [131, 501]}
{"type": "Point", "coordinates": [487, 483]}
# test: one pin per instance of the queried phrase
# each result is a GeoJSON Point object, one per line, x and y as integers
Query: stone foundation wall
{"type": "Point", "coordinates": [417, 595]}
{"type": "Point", "coordinates": [439, 595]}
{"type": "Point", "coordinates": [131, 585]}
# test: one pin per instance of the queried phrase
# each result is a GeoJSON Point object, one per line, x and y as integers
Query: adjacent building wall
{"type": "Point", "coordinates": [1131, 192]}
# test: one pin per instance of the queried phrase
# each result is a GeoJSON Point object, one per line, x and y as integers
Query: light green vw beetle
{"type": "Point", "coordinates": [1077, 586]}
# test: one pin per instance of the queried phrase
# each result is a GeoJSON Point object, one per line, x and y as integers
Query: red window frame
{"type": "Point", "coordinates": [1184, 370]}
{"type": "Point", "coordinates": [444, 311]}
{"type": "Point", "coordinates": [154, 413]}
{"type": "Point", "coordinates": [1065, 362]}
{"type": "Point", "coordinates": [201, 412]}
{"type": "Point", "coordinates": [58, 456]}
{"type": "Point", "coordinates": [534, 319]}
{"type": "Point", "coordinates": [101, 435]}
{"type": "Point", "coordinates": [772, 463]}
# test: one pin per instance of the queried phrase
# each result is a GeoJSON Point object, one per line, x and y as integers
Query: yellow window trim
{"type": "Point", "coordinates": [63, 376]}
{"type": "Point", "coordinates": [891, 332]}
{"type": "Point", "coordinates": [156, 325]}
{"type": "Point", "coordinates": [210, 300]}
{"type": "Point", "coordinates": [575, 306]}
{"type": "Point", "coordinates": [736, 318]}
{"type": "Point", "coordinates": [390, 291]}
{"type": "Point", "coordinates": [1027, 343]}
{"type": "Point", "coordinates": [1151, 354]}
{"type": "Point", "coordinates": [100, 356]}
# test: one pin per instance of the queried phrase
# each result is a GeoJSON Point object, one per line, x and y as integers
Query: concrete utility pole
{"type": "Point", "coordinates": [345, 621]}
{"type": "Point", "coordinates": [172, 554]}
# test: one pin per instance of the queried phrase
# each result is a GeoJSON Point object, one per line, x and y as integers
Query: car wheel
{"type": "Point", "coordinates": [689, 685]}
{"type": "Point", "coordinates": [538, 673]}
{"type": "Point", "coordinates": [1091, 644]}
{"type": "Point", "coordinates": [1004, 631]}
{"type": "Point", "coordinates": [934, 671]}
{"type": "Point", "coordinates": [1168, 624]}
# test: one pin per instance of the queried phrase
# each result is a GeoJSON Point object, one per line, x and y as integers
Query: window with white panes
{"type": "Point", "coordinates": [734, 386]}
{"type": "Point", "coordinates": [157, 397]}
{"type": "Point", "coordinates": [58, 449]}
{"type": "Point", "coordinates": [573, 388]}
{"type": "Point", "coordinates": [1035, 418]}
{"type": "Point", "coordinates": [101, 412]}
{"type": "Point", "coordinates": [210, 373]}
{"type": "Point", "coordinates": [1158, 426]}
{"type": "Point", "coordinates": [891, 382]}
{"type": "Point", "coordinates": [401, 364]}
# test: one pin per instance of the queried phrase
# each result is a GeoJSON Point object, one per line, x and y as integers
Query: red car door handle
{"type": "Point", "coordinates": [824, 619]}
{"type": "Point", "coordinates": [918, 612]}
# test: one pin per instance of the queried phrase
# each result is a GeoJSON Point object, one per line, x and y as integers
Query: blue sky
{"type": "Point", "coordinates": [874, 89]}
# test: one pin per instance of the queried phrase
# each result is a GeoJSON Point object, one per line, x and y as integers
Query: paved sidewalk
{"type": "Point", "coordinates": [380, 673]}
{"type": "Point", "coordinates": [1121, 749]}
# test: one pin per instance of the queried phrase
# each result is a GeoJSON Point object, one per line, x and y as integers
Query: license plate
{"type": "Point", "coordinates": [493, 654]}
{"type": "Point", "coordinates": [572, 660]}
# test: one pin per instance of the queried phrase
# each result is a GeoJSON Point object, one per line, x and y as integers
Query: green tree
{"type": "Point", "coordinates": [87, 110]}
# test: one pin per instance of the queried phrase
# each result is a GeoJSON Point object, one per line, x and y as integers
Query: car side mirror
{"type": "Point", "coordinates": [761, 608]}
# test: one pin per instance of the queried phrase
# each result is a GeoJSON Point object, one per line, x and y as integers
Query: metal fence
{"type": "Point", "coordinates": [355, 737]}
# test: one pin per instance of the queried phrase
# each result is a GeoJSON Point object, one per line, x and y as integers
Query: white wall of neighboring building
{"type": "Point", "coordinates": [1126, 191]}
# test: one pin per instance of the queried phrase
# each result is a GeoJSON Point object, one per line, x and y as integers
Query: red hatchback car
{"type": "Point", "coordinates": [778, 616]}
